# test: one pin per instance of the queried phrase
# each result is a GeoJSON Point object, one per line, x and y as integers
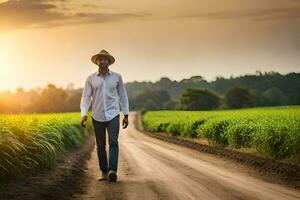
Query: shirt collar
{"type": "Point", "coordinates": [109, 72]}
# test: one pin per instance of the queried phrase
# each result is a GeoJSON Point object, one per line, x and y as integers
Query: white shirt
{"type": "Point", "coordinates": [106, 92]}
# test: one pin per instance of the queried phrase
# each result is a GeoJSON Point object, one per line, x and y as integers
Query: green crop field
{"type": "Point", "coordinates": [31, 142]}
{"type": "Point", "coordinates": [269, 131]}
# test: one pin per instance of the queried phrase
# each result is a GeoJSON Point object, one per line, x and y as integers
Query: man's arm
{"type": "Point", "coordinates": [123, 97]}
{"type": "Point", "coordinates": [86, 97]}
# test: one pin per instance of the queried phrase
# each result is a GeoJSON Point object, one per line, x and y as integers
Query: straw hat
{"type": "Point", "coordinates": [103, 53]}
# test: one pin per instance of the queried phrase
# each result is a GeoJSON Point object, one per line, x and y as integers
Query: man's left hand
{"type": "Point", "coordinates": [125, 122]}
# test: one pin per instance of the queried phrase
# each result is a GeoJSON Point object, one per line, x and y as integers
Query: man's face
{"type": "Point", "coordinates": [103, 62]}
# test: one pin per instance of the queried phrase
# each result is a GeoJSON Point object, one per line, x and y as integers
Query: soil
{"type": "Point", "coordinates": [286, 173]}
{"type": "Point", "coordinates": [59, 183]}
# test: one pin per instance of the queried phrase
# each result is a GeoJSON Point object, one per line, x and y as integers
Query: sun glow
{"type": "Point", "coordinates": [4, 67]}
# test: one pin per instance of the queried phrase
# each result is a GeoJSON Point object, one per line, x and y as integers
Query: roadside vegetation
{"type": "Point", "coordinates": [268, 131]}
{"type": "Point", "coordinates": [30, 143]}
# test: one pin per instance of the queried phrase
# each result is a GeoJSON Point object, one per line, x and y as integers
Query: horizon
{"type": "Point", "coordinates": [151, 81]}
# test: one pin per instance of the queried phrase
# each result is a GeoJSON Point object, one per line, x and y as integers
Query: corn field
{"type": "Point", "coordinates": [31, 143]}
{"type": "Point", "coordinates": [267, 131]}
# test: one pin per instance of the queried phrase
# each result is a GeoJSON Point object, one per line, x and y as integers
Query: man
{"type": "Point", "coordinates": [107, 90]}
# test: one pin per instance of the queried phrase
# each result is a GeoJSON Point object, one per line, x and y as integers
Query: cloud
{"type": "Point", "coordinates": [292, 12]}
{"type": "Point", "coordinates": [16, 14]}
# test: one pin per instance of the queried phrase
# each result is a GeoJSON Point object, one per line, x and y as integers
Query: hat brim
{"type": "Point", "coordinates": [110, 58]}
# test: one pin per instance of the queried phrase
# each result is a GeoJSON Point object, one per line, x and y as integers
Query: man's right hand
{"type": "Point", "coordinates": [83, 121]}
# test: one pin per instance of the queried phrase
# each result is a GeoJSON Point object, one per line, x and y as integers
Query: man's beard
{"type": "Point", "coordinates": [103, 65]}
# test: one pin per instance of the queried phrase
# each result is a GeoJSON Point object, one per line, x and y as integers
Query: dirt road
{"type": "Point", "coordinates": [153, 169]}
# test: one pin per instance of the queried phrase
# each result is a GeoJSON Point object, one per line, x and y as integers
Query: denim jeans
{"type": "Point", "coordinates": [112, 128]}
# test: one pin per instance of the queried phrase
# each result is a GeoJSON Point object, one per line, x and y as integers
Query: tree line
{"type": "Point", "coordinates": [194, 93]}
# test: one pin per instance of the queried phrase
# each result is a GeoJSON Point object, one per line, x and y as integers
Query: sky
{"type": "Point", "coordinates": [52, 41]}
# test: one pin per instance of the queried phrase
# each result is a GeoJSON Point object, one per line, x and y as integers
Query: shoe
{"type": "Point", "coordinates": [112, 176]}
{"type": "Point", "coordinates": [103, 177]}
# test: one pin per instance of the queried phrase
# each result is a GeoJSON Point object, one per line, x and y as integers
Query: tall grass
{"type": "Point", "coordinates": [269, 131]}
{"type": "Point", "coordinates": [31, 143]}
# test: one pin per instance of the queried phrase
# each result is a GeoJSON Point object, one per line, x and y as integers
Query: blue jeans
{"type": "Point", "coordinates": [112, 128]}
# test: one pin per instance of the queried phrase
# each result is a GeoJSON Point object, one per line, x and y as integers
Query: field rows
{"type": "Point", "coordinates": [31, 143]}
{"type": "Point", "coordinates": [269, 131]}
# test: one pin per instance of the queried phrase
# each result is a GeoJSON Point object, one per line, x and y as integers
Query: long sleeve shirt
{"type": "Point", "coordinates": [106, 94]}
